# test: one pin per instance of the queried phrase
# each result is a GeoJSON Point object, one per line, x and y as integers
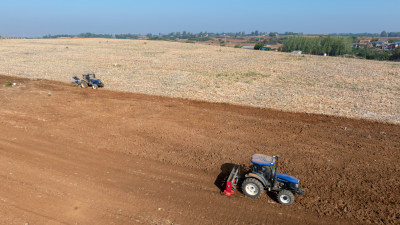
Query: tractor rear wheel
{"type": "Point", "coordinates": [94, 86]}
{"type": "Point", "coordinates": [84, 84]}
{"type": "Point", "coordinates": [252, 188]}
{"type": "Point", "coordinates": [285, 197]}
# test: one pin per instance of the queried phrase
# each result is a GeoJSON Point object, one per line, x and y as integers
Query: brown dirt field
{"type": "Point", "coordinates": [83, 156]}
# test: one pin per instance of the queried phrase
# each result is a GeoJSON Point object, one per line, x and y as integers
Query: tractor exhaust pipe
{"type": "Point", "coordinates": [276, 171]}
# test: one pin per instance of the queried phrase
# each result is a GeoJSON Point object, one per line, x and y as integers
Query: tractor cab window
{"type": "Point", "coordinates": [258, 168]}
{"type": "Point", "coordinates": [265, 171]}
{"type": "Point", "coordinates": [86, 77]}
{"type": "Point", "coordinates": [268, 172]}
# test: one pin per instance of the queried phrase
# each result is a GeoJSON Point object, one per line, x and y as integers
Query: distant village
{"type": "Point", "coordinates": [379, 44]}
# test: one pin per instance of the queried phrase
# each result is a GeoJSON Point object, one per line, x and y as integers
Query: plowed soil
{"type": "Point", "coordinates": [81, 156]}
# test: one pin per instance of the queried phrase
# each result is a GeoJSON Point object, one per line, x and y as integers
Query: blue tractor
{"type": "Point", "coordinates": [88, 80]}
{"type": "Point", "coordinates": [264, 175]}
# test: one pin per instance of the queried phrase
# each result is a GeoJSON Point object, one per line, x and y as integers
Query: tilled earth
{"type": "Point", "coordinates": [81, 156]}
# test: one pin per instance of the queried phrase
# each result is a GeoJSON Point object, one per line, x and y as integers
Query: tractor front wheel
{"type": "Point", "coordinates": [95, 86]}
{"type": "Point", "coordinates": [252, 188]}
{"type": "Point", "coordinates": [285, 197]}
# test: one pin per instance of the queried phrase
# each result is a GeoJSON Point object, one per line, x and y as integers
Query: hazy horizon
{"type": "Point", "coordinates": [42, 17]}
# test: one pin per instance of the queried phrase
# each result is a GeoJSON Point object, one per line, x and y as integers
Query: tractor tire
{"type": "Point", "coordinates": [252, 188]}
{"type": "Point", "coordinates": [95, 86]}
{"type": "Point", "coordinates": [285, 197]}
{"type": "Point", "coordinates": [84, 84]}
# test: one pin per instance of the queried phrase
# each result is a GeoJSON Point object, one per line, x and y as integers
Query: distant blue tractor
{"type": "Point", "coordinates": [89, 80]}
{"type": "Point", "coordinates": [264, 175]}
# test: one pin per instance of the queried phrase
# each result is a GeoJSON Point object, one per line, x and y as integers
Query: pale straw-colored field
{"type": "Point", "coordinates": [301, 83]}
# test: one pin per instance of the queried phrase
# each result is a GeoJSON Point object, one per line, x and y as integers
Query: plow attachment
{"type": "Point", "coordinates": [76, 80]}
{"type": "Point", "coordinates": [232, 181]}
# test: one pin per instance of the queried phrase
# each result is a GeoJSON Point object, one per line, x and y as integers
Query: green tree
{"type": "Point", "coordinates": [394, 34]}
{"type": "Point", "coordinates": [384, 34]}
{"type": "Point", "coordinates": [271, 41]}
{"type": "Point", "coordinates": [259, 46]}
{"type": "Point", "coordinates": [396, 54]}
{"type": "Point", "coordinates": [273, 34]}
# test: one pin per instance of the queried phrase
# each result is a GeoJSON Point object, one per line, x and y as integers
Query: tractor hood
{"type": "Point", "coordinates": [287, 177]}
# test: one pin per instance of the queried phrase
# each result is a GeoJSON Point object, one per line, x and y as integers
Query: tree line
{"type": "Point", "coordinates": [332, 46]}
{"type": "Point", "coordinates": [205, 36]}
{"type": "Point", "coordinates": [336, 46]}
{"type": "Point", "coordinates": [92, 35]}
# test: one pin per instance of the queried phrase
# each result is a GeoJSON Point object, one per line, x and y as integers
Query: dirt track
{"type": "Point", "coordinates": [71, 155]}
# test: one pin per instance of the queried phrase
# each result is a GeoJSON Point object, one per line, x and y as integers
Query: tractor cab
{"type": "Point", "coordinates": [267, 167]}
{"type": "Point", "coordinates": [263, 165]}
{"type": "Point", "coordinates": [89, 77]}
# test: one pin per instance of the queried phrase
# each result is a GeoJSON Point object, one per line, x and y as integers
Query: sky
{"type": "Point", "coordinates": [35, 18]}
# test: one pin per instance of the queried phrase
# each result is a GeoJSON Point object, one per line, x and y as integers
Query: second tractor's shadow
{"type": "Point", "coordinates": [226, 169]}
{"type": "Point", "coordinates": [272, 196]}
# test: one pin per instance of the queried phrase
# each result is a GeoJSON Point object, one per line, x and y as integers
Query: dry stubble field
{"type": "Point", "coordinates": [300, 83]}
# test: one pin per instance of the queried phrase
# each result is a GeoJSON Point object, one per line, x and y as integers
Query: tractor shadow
{"type": "Point", "coordinates": [226, 169]}
{"type": "Point", "coordinates": [273, 196]}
